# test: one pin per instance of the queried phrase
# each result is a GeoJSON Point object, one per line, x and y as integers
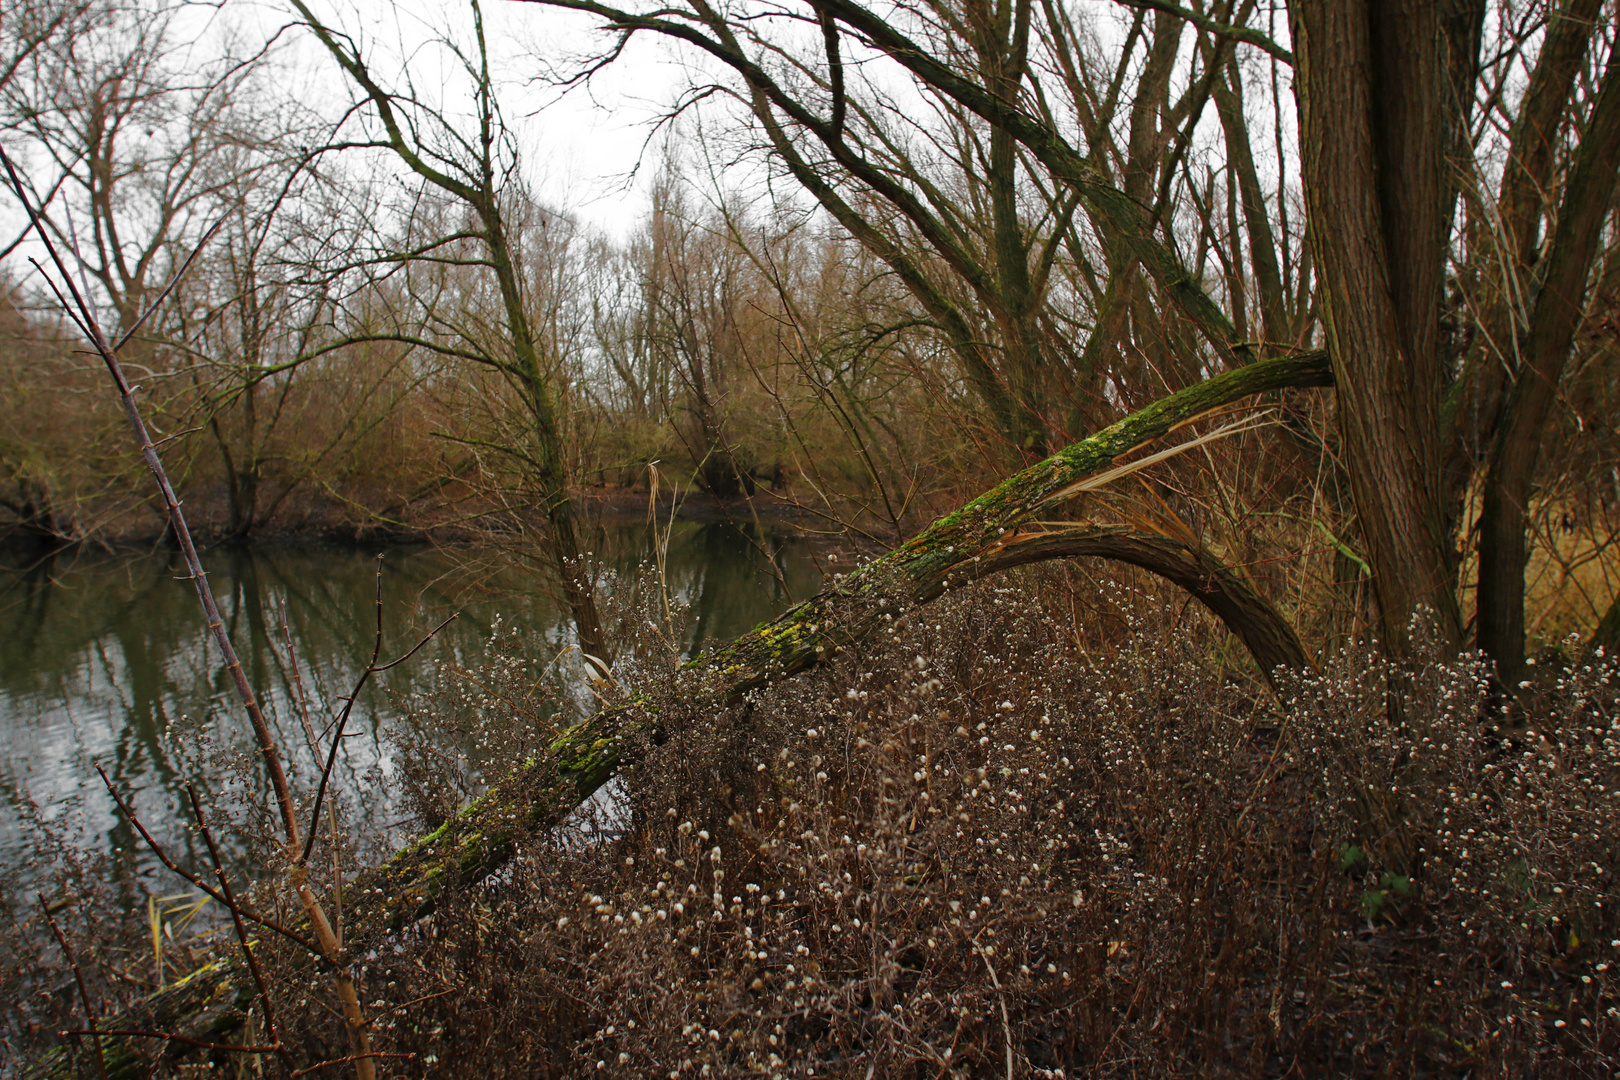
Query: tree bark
{"type": "Point", "coordinates": [1607, 634]}
{"type": "Point", "coordinates": [995, 532]}
{"type": "Point", "coordinates": [1560, 307]}
{"type": "Point", "coordinates": [1268, 636]}
{"type": "Point", "coordinates": [1370, 77]}
{"type": "Point", "coordinates": [1262, 243]}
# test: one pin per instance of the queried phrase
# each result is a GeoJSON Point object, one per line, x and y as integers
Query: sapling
{"type": "Point", "coordinates": [294, 847]}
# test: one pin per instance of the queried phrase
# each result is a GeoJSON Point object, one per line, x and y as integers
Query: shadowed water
{"type": "Point", "coordinates": [104, 661]}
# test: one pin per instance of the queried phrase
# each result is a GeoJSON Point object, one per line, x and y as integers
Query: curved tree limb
{"type": "Point", "coordinates": [1246, 34]}
{"type": "Point", "coordinates": [1270, 638]}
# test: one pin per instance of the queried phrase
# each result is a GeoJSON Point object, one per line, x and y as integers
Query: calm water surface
{"type": "Point", "coordinates": [104, 660]}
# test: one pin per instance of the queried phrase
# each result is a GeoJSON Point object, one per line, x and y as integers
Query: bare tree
{"type": "Point", "coordinates": [154, 155]}
{"type": "Point", "coordinates": [476, 170]}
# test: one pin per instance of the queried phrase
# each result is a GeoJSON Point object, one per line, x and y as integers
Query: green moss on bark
{"type": "Point", "coordinates": [579, 761]}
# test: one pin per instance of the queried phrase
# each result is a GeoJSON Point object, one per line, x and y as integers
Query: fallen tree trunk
{"type": "Point", "coordinates": [993, 533]}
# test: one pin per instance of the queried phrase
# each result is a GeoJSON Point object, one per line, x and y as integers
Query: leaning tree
{"type": "Point", "coordinates": [1439, 428]}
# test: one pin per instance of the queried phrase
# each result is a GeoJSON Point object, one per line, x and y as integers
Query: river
{"type": "Point", "coordinates": [104, 661]}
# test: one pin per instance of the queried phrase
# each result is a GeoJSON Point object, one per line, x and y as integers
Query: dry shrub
{"type": "Point", "coordinates": [1482, 840]}
{"type": "Point", "coordinates": [968, 849]}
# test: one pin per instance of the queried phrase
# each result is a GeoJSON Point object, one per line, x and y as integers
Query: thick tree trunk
{"type": "Point", "coordinates": [1369, 79]}
{"type": "Point", "coordinates": [995, 532]}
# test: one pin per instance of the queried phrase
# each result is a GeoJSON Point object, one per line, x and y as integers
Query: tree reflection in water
{"type": "Point", "coordinates": [103, 659]}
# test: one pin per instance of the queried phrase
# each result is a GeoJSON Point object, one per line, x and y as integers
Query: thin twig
{"type": "Point", "coordinates": [236, 919]}
{"type": "Point", "coordinates": [1001, 999]}
{"type": "Point", "coordinates": [180, 871]}
{"type": "Point", "coordinates": [315, 756]}
{"type": "Point", "coordinates": [343, 719]}
{"type": "Point", "coordinates": [301, 695]}
{"type": "Point", "coordinates": [414, 648]}
{"type": "Point", "coordinates": [173, 281]}
{"type": "Point", "coordinates": [137, 1033]}
{"type": "Point", "coordinates": [402, 1006]}
{"type": "Point", "coordinates": [347, 1060]}
{"type": "Point", "coordinates": [78, 976]}
{"type": "Point", "coordinates": [348, 706]}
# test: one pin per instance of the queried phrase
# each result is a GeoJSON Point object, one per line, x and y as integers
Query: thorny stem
{"type": "Point", "coordinates": [84, 991]}
{"type": "Point", "coordinates": [236, 918]}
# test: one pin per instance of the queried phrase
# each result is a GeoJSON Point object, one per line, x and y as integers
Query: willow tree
{"type": "Point", "coordinates": [138, 152]}
{"type": "Point", "coordinates": [1008, 269]}
{"type": "Point", "coordinates": [476, 170]}
{"type": "Point", "coordinates": [1386, 93]}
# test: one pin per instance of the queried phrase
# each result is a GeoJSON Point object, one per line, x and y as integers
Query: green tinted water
{"type": "Point", "coordinates": [104, 661]}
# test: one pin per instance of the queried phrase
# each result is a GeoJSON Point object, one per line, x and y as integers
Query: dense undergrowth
{"type": "Point", "coordinates": [970, 848]}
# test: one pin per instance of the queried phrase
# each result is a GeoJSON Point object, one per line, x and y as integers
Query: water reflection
{"type": "Point", "coordinates": [104, 660]}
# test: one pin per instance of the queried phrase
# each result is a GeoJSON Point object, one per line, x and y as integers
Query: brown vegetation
{"type": "Point", "coordinates": [976, 839]}
{"type": "Point", "coordinates": [1035, 828]}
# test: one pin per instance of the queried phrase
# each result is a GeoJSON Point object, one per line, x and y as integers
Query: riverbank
{"type": "Point", "coordinates": [335, 522]}
{"type": "Point", "coordinates": [1013, 837]}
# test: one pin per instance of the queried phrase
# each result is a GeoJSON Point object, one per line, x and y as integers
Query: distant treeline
{"type": "Point", "coordinates": [357, 316]}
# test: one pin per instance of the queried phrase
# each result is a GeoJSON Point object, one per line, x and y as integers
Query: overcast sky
{"type": "Point", "coordinates": [578, 148]}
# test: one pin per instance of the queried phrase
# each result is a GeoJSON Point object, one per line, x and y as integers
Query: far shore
{"type": "Point", "coordinates": [596, 506]}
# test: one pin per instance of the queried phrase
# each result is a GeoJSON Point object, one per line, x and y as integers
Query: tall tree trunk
{"type": "Point", "coordinates": [1370, 81]}
{"type": "Point", "coordinates": [1262, 243]}
{"type": "Point", "coordinates": [1559, 308]}
{"type": "Point", "coordinates": [549, 467]}
{"type": "Point", "coordinates": [473, 182]}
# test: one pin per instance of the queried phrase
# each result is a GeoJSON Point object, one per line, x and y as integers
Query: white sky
{"type": "Point", "coordinates": [578, 148]}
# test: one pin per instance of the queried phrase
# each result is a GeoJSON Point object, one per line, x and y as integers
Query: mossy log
{"type": "Point", "coordinates": [993, 533]}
